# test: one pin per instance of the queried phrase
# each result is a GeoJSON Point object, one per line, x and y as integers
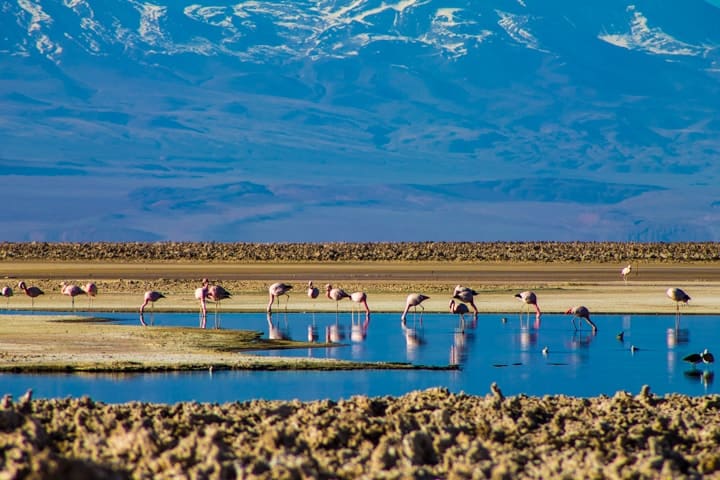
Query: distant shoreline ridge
{"type": "Point", "coordinates": [427, 251]}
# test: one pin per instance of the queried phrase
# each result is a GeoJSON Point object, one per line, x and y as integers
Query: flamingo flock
{"type": "Point", "coordinates": [462, 300]}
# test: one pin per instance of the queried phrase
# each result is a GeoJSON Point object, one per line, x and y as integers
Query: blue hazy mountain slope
{"type": "Point", "coordinates": [360, 120]}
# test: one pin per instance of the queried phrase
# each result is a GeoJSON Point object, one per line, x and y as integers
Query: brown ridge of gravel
{"type": "Point", "coordinates": [597, 252]}
{"type": "Point", "coordinates": [424, 434]}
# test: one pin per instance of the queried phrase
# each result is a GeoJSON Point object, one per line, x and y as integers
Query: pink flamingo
{"type": "Point", "coordinates": [151, 296]}
{"type": "Point", "coordinates": [459, 309]}
{"type": "Point", "coordinates": [31, 292]}
{"type": "Point", "coordinates": [581, 312]}
{"type": "Point", "coordinates": [312, 291]}
{"type": "Point", "coordinates": [216, 293]}
{"type": "Point", "coordinates": [413, 300]}
{"type": "Point", "coordinates": [276, 290]}
{"type": "Point", "coordinates": [359, 332]}
{"type": "Point", "coordinates": [91, 290]}
{"type": "Point", "coordinates": [360, 298]}
{"type": "Point", "coordinates": [529, 298]}
{"type": "Point", "coordinates": [465, 295]}
{"type": "Point", "coordinates": [72, 291]}
{"type": "Point", "coordinates": [201, 294]}
{"type": "Point", "coordinates": [7, 292]}
{"type": "Point", "coordinates": [336, 294]}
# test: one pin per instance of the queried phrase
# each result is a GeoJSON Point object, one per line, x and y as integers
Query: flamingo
{"type": "Point", "coordinates": [216, 293]}
{"type": "Point", "coordinates": [72, 291]}
{"type": "Point", "coordinates": [7, 292]}
{"type": "Point", "coordinates": [361, 299]}
{"type": "Point", "coordinates": [529, 298]}
{"type": "Point", "coordinates": [581, 312]}
{"type": "Point", "coordinates": [201, 294]}
{"type": "Point", "coordinates": [31, 292]}
{"type": "Point", "coordinates": [465, 295]}
{"type": "Point", "coordinates": [91, 290]}
{"type": "Point", "coordinates": [414, 300]}
{"type": "Point", "coordinates": [359, 332]}
{"type": "Point", "coordinates": [625, 272]}
{"type": "Point", "coordinates": [678, 296]}
{"type": "Point", "coordinates": [151, 296]}
{"type": "Point", "coordinates": [459, 309]}
{"type": "Point", "coordinates": [275, 291]}
{"type": "Point", "coordinates": [336, 294]}
{"type": "Point", "coordinates": [312, 291]}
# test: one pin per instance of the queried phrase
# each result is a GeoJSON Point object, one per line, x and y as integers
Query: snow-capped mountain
{"type": "Point", "coordinates": [360, 120]}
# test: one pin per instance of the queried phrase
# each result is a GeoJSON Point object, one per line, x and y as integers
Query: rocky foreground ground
{"type": "Point", "coordinates": [427, 434]}
{"type": "Point", "coordinates": [599, 252]}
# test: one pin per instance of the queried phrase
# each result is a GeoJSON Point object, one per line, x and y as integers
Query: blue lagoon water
{"type": "Point", "coordinates": [497, 348]}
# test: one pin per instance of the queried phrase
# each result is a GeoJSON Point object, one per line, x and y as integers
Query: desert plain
{"type": "Point", "coordinates": [432, 434]}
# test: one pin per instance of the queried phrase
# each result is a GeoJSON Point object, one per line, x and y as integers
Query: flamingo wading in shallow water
{"type": "Point", "coordinates": [529, 298]}
{"type": "Point", "coordinates": [414, 300]}
{"type": "Point", "coordinates": [217, 294]}
{"type": "Point", "coordinates": [336, 294]}
{"type": "Point", "coordinates": [678, 296]}
{"type": "Point", "coordinates": [151, 296]}
{"type": "Point", "coordinates": [201, 294]}
{"type": "Point", "coordinates": [276, 290]}
{"type": "Point", "coordinates": [465, 295]}
{"type": "Point", "coordinates": [581, 312]}
{"type": "Point", "coordinates": [72, 291]}
{"type": "Point", "coordinates": [31, 292]}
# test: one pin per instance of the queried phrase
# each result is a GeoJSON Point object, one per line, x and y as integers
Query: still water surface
{"type": "Point", "coordinates": [492, 350]}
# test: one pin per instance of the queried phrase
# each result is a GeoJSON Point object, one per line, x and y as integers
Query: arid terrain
{"type": "Point", "coordinates": [430, 434]}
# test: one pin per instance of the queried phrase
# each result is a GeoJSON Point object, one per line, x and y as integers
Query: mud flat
{"type": "Point", "coordinates": [424, 434]}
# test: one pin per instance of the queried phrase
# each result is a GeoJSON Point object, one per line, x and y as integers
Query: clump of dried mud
{"type": "Point", "coordinates": [600, 252]}
{"type": "Point", "coordinates": [425, 434]}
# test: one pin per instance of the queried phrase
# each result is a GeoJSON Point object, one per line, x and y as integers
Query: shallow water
{"type": "Point", "coordinates": [577, 362]}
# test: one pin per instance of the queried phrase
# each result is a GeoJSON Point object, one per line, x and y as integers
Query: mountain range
{"type": "Point", "coordinates": [360, 120]}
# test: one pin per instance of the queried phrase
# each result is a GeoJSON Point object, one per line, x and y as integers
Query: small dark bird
{"type": "Point", "coordinates": [620, 336]}
{"type": "Point", "coordinates": [707, 357]}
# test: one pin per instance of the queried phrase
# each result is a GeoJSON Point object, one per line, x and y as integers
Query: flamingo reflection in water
{"type": "Point", "coordinates": [276, 331]}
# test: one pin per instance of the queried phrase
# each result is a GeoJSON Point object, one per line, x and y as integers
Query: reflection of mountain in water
{"type": "Point", "coordinates": [247, 121]}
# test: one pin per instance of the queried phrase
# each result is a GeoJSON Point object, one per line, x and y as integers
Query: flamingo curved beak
{"type": "Point", "coordinates": [569, 310]}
